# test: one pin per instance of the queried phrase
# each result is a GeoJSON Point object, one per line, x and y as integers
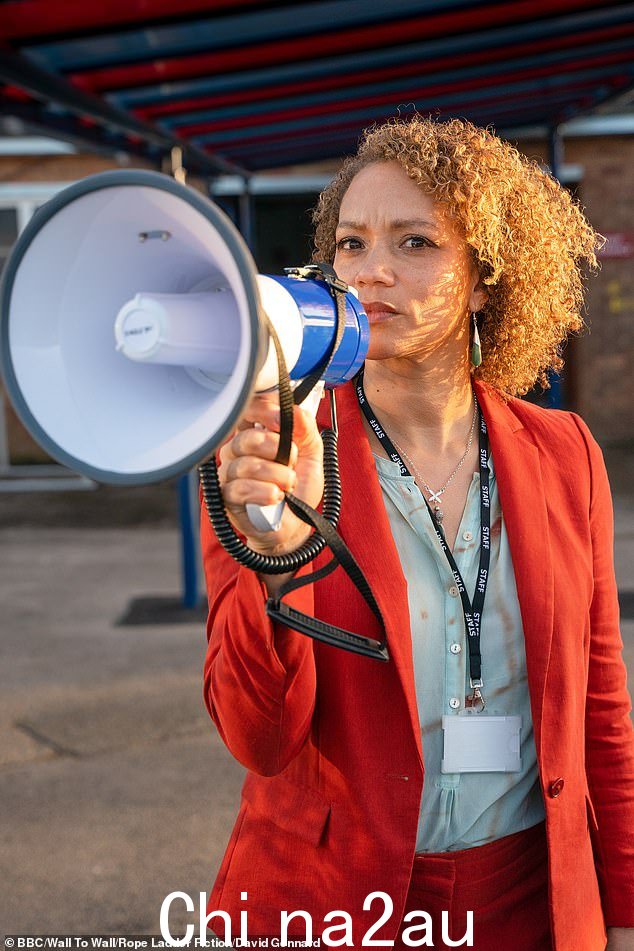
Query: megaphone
{"type": "Point", "coordinates": [133, 327]}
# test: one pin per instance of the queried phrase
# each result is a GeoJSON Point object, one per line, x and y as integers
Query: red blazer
{"type": "Point", "coordinates": [331, 740]}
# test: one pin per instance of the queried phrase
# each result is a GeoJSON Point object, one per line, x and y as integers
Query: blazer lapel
{"type": "Point", "coordinates": [523, 500]}
{"type": "Point", "coordinates": [365, 527]}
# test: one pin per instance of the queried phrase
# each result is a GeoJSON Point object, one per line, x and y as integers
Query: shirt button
{"type": "Point", "coordinates": [467, 536]}
{"type": "Point", "coordinates": [455, 648]}
{"type": "Point", "coordinates": [453, 591]}
{"type": "Point", "coordinates": [454, 703]}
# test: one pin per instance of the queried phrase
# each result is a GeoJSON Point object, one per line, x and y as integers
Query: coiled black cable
{"type": "Point", "coordinates": [273, 564]}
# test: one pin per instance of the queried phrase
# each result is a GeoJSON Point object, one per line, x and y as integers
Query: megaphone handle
{"type": "Point", "coordinates": [268, 518]}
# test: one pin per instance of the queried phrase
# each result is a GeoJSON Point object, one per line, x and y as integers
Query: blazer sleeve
{"type": "Point", "coordinates": [609, 732]}
{"type": "Point", "coordinates": [259, 676]}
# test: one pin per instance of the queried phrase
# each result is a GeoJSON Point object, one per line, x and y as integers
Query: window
{"type": "Point", "coordinates": [8, 233]}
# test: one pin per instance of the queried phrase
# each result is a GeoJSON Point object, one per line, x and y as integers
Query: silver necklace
{"type": "Point", "coordinates": [434, 497]}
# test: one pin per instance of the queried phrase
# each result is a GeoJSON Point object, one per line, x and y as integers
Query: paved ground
{"type": "Point", "coordinates": [115, 789]}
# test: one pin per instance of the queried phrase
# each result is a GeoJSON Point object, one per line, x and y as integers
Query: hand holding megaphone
{"type": "Point", "coordinates": [249, 475]}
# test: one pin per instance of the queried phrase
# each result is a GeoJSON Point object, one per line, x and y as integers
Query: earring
{"type": "Point", "coordinates": [476, 350]}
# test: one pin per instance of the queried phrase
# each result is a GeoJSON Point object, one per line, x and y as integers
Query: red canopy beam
{"type": "Point", "coordinates": [30, 19]}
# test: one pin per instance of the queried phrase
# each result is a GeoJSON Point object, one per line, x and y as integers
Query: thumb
{"type": "Point", "coordinates": [305, 430]}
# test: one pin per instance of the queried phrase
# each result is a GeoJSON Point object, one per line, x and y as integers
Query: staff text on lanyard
{"type": "Point", "coordinates": [472, 607]}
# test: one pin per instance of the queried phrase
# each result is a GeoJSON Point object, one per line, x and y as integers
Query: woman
{"type": "Point", "coordinates": [508, 790]}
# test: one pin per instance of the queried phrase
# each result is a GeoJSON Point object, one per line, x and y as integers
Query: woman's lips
{"type": "Point", "coordinates": [378, 310]}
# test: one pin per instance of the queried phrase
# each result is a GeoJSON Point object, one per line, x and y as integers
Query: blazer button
{"type": "Point", "coordinates": [555, 788]}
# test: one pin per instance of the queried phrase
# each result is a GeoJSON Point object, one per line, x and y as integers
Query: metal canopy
{"type": "Point", "coordinates": [244, 85]}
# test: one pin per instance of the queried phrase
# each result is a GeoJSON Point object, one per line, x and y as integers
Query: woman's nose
{"type": "Point", "coordinates": [373, 269]}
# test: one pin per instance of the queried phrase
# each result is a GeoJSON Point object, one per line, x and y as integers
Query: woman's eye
{"type": "Point", "coordinates": [417, 241]}
{"type": "Point", "coordinates": [348, 244]}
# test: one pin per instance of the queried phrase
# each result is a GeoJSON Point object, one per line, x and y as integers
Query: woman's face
{"type": "Point", "coordinates": [409, 263]}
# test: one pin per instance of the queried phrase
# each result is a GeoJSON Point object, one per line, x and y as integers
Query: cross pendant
{"type": "Point", "coordinates": [435, 496]}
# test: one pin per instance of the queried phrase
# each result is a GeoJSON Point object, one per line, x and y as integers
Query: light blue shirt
{"type": "Point", "coordinates": [462, 810]}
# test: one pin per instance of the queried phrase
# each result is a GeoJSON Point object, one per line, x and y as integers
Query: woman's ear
{"type": "Point", "coordinates": [478, 296]}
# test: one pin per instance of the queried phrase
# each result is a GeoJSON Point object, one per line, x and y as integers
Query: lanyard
{"type": "Point", "coordinates": [472, 608]}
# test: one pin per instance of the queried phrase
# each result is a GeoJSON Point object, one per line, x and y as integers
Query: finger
{"type": "Point", "coordinates": [266, 411]}
{"type": "Point", "coordinates": [305, 429]}
{"type": "Point", "coordinates": [261, 410]}
{"type": "Point", "coordinates": [260, 443]}
{"type": "Point", "coordinates": [225, 453]}
{"type": "Point", "coordinates": [240, 491]}
{"type": "Point", "coordinates": [261, 470]}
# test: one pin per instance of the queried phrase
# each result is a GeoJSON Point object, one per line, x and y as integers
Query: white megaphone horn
{"type": "Point", "coordinates": [132, 330]}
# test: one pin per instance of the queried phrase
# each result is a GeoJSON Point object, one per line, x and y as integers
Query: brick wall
{"type": "Point", "coordinates": [606, 353]}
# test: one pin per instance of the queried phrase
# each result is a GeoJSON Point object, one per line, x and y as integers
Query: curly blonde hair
{"type": "Point", "coordinates": [530, 241]}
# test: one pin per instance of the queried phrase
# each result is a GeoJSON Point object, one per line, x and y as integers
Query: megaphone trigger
{"type": "Point", "coordinates": [311, 403]}
{"type": "Point", "coordinates": [266, 518]}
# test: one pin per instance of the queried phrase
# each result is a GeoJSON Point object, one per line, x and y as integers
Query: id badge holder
{"type": "Point", "coordinates": [479, 743]}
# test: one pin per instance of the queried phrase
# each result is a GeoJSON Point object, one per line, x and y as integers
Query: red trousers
{"type": "Point", "coordinates": [504, 883]}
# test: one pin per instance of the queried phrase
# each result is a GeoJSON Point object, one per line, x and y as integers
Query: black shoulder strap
{"type": "Point", "coordinates": [343, 556]}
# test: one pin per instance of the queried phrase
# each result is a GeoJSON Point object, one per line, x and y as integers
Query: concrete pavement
{"type": "Point", "coordinates": [115, 788]}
